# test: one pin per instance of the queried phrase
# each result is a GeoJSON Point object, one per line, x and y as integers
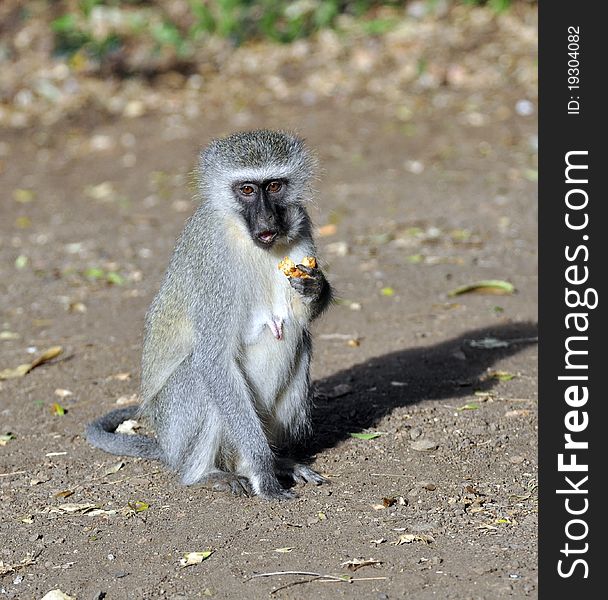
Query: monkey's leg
{"type": "Point", "coordinates": [193, 439]}
{"type": "Point", "coordinates": [188, 427]}
{"type": "Point", "coordinates": [232, 404]}
{"type": "Point", "coordinates": [292, 418]}
{"type": "Point", "coordinates": [201, 457]}
{"type": "Point", "coordinates": [292, 410]}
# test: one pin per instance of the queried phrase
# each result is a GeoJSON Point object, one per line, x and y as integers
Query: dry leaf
{"type": "Point", "coordinates": [64, 494]}
{"type": "Point", "coordinates": [194, 558]}
{"type": "Point", "coordinates": [356, 563]}
{"type": "Point", "coordinates": [115, 468]}
{"type": "Point", "coordinates": [9, 335]}
{"type": "Point", "coordinates": [96, 512]}
{"type": "Point", "coordinates": [520, 498]}
{"type": "Point", "coordinates": [5, 569]}
{"type": "Point", "coordinates": [338, 248]}
{"type": "Point", "coordinates": [5, 438]}
{"type": "Point", "coordinates": [501, 375]}
{"type": "Point", "coordinates": [327, 230]}
{"type": "Point", "coordinates": [138, 506]}
{"type": "Point", "coordinates": [23, 195]}
{"type": "Point", "coordinates": [127, 399]}
{"type": "Point", "coordinates": [520, 412]}
{"type": "Point", "coordinates": [77, 307]}
{"type": "Point", "coordinates": [72, 508]}
{"type": "Point", "coordinates": [57, 409]}
{"type": "Point", "coordinates": [128, 427]}
{"type": "Point", "coordinates": [468, 406]}
{"type": "Point", "coordinates": [121, 376]}
{"type": "Point", "coordinates": [22, 370]}
{"type": "Point", "coordinates": [366, 436]}
{"type": "Point", "coordinates": [84, 508]}
{"type": "Point", "coordinates": [408, 538]}
{"type": "Point", "coordinates": [42, 322]}
{"type": "Point", "coordinates": [486, 286]}
{"type": "Point", "coordinates": [19, 371]}
{"type": "Point", "coordinates": [47, 355]}
{"type": "Point", "coordinates": [22, 261]}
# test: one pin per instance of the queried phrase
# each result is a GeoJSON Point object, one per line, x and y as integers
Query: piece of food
{"type": "Point", "coordinates": [289, 269]}
{"type": "Point", "coordinates": [287, 266]}
{"type": "Point", "coordinates": [310, 262]}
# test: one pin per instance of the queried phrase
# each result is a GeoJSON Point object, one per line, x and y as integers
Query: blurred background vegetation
{"type": "Point", "coordinates": [145, 36]}
{"type": "Point", "coordinates": [129, 57]}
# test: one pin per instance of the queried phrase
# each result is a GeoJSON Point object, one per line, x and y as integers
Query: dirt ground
{"type": "Point", "coordinates": [445, 499]}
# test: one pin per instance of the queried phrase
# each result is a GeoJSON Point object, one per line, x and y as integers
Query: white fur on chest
{"type": "Point", "coordinates": [276, 308]}
{"type": "Point", "coordinates": [278, 317]}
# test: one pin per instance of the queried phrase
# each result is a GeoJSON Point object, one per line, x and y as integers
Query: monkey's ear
{"type": "Point", "coordinates": [169, 340]}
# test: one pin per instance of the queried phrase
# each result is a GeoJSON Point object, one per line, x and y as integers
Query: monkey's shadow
{"type": "Point", "coordinates": [358, 398]}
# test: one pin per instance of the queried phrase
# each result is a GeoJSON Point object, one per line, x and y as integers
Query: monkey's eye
{"type": "Point", "coordinates": [274, 186]}
{"type": "Point", "coordinates": [247, 189]}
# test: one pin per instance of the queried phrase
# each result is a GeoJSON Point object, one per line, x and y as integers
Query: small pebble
{"type": "Point", "coordinates": [424, 445]}
{"type": "Point", "coordinates": [415, 433]}
{"type": "Point", "coordinates": [524, 108]}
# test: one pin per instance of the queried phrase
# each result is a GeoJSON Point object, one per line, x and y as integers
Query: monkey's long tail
{"type": "Point", "coordinates": [100, 434]}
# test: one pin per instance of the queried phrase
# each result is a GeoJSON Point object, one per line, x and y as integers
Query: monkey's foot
{"type": "Point", "coordinates": [222, 481]}
{"type": "Point", "coordinates": [271, 489]}
{"type": "Point", "coordinates": [298, 472]}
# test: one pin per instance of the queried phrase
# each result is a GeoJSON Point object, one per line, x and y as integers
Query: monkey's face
{"type": "Point", "coordinates": [263, 205]}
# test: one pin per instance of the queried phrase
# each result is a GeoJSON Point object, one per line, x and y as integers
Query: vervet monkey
{"type": "Point", "coordinates": [227, 347]}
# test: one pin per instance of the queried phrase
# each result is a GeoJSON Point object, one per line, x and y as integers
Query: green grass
{"type": "Point", "coordinates": [148, 22]}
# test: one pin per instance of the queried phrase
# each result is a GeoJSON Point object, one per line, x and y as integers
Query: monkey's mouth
{"type": "Point", "coordinates": [267, 237]}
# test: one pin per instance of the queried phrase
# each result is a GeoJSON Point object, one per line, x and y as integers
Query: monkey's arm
{"type": "Point", "coordinates": [314, 289]}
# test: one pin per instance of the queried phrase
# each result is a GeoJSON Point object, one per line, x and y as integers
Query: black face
{"type": "Point", "coordinates": [263, 208]}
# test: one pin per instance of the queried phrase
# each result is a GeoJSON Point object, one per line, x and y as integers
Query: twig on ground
{"type": "Point", "coordinates": [12, 473]}
{"type": "Point", "coordinates": [274, 573]}
{"type": "Point", "coordinates": [321, 577]}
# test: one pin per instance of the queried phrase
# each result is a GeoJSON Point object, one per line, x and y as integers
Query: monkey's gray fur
{"type": "Point", "coordinates": [227, 348]}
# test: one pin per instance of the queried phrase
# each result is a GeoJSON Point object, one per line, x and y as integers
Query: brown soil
{"type": "Point", "coordinates": [418, 210]}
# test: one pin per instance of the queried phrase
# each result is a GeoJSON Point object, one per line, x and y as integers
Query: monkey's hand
{"type": "Point", "coordinates": [311, 288]}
